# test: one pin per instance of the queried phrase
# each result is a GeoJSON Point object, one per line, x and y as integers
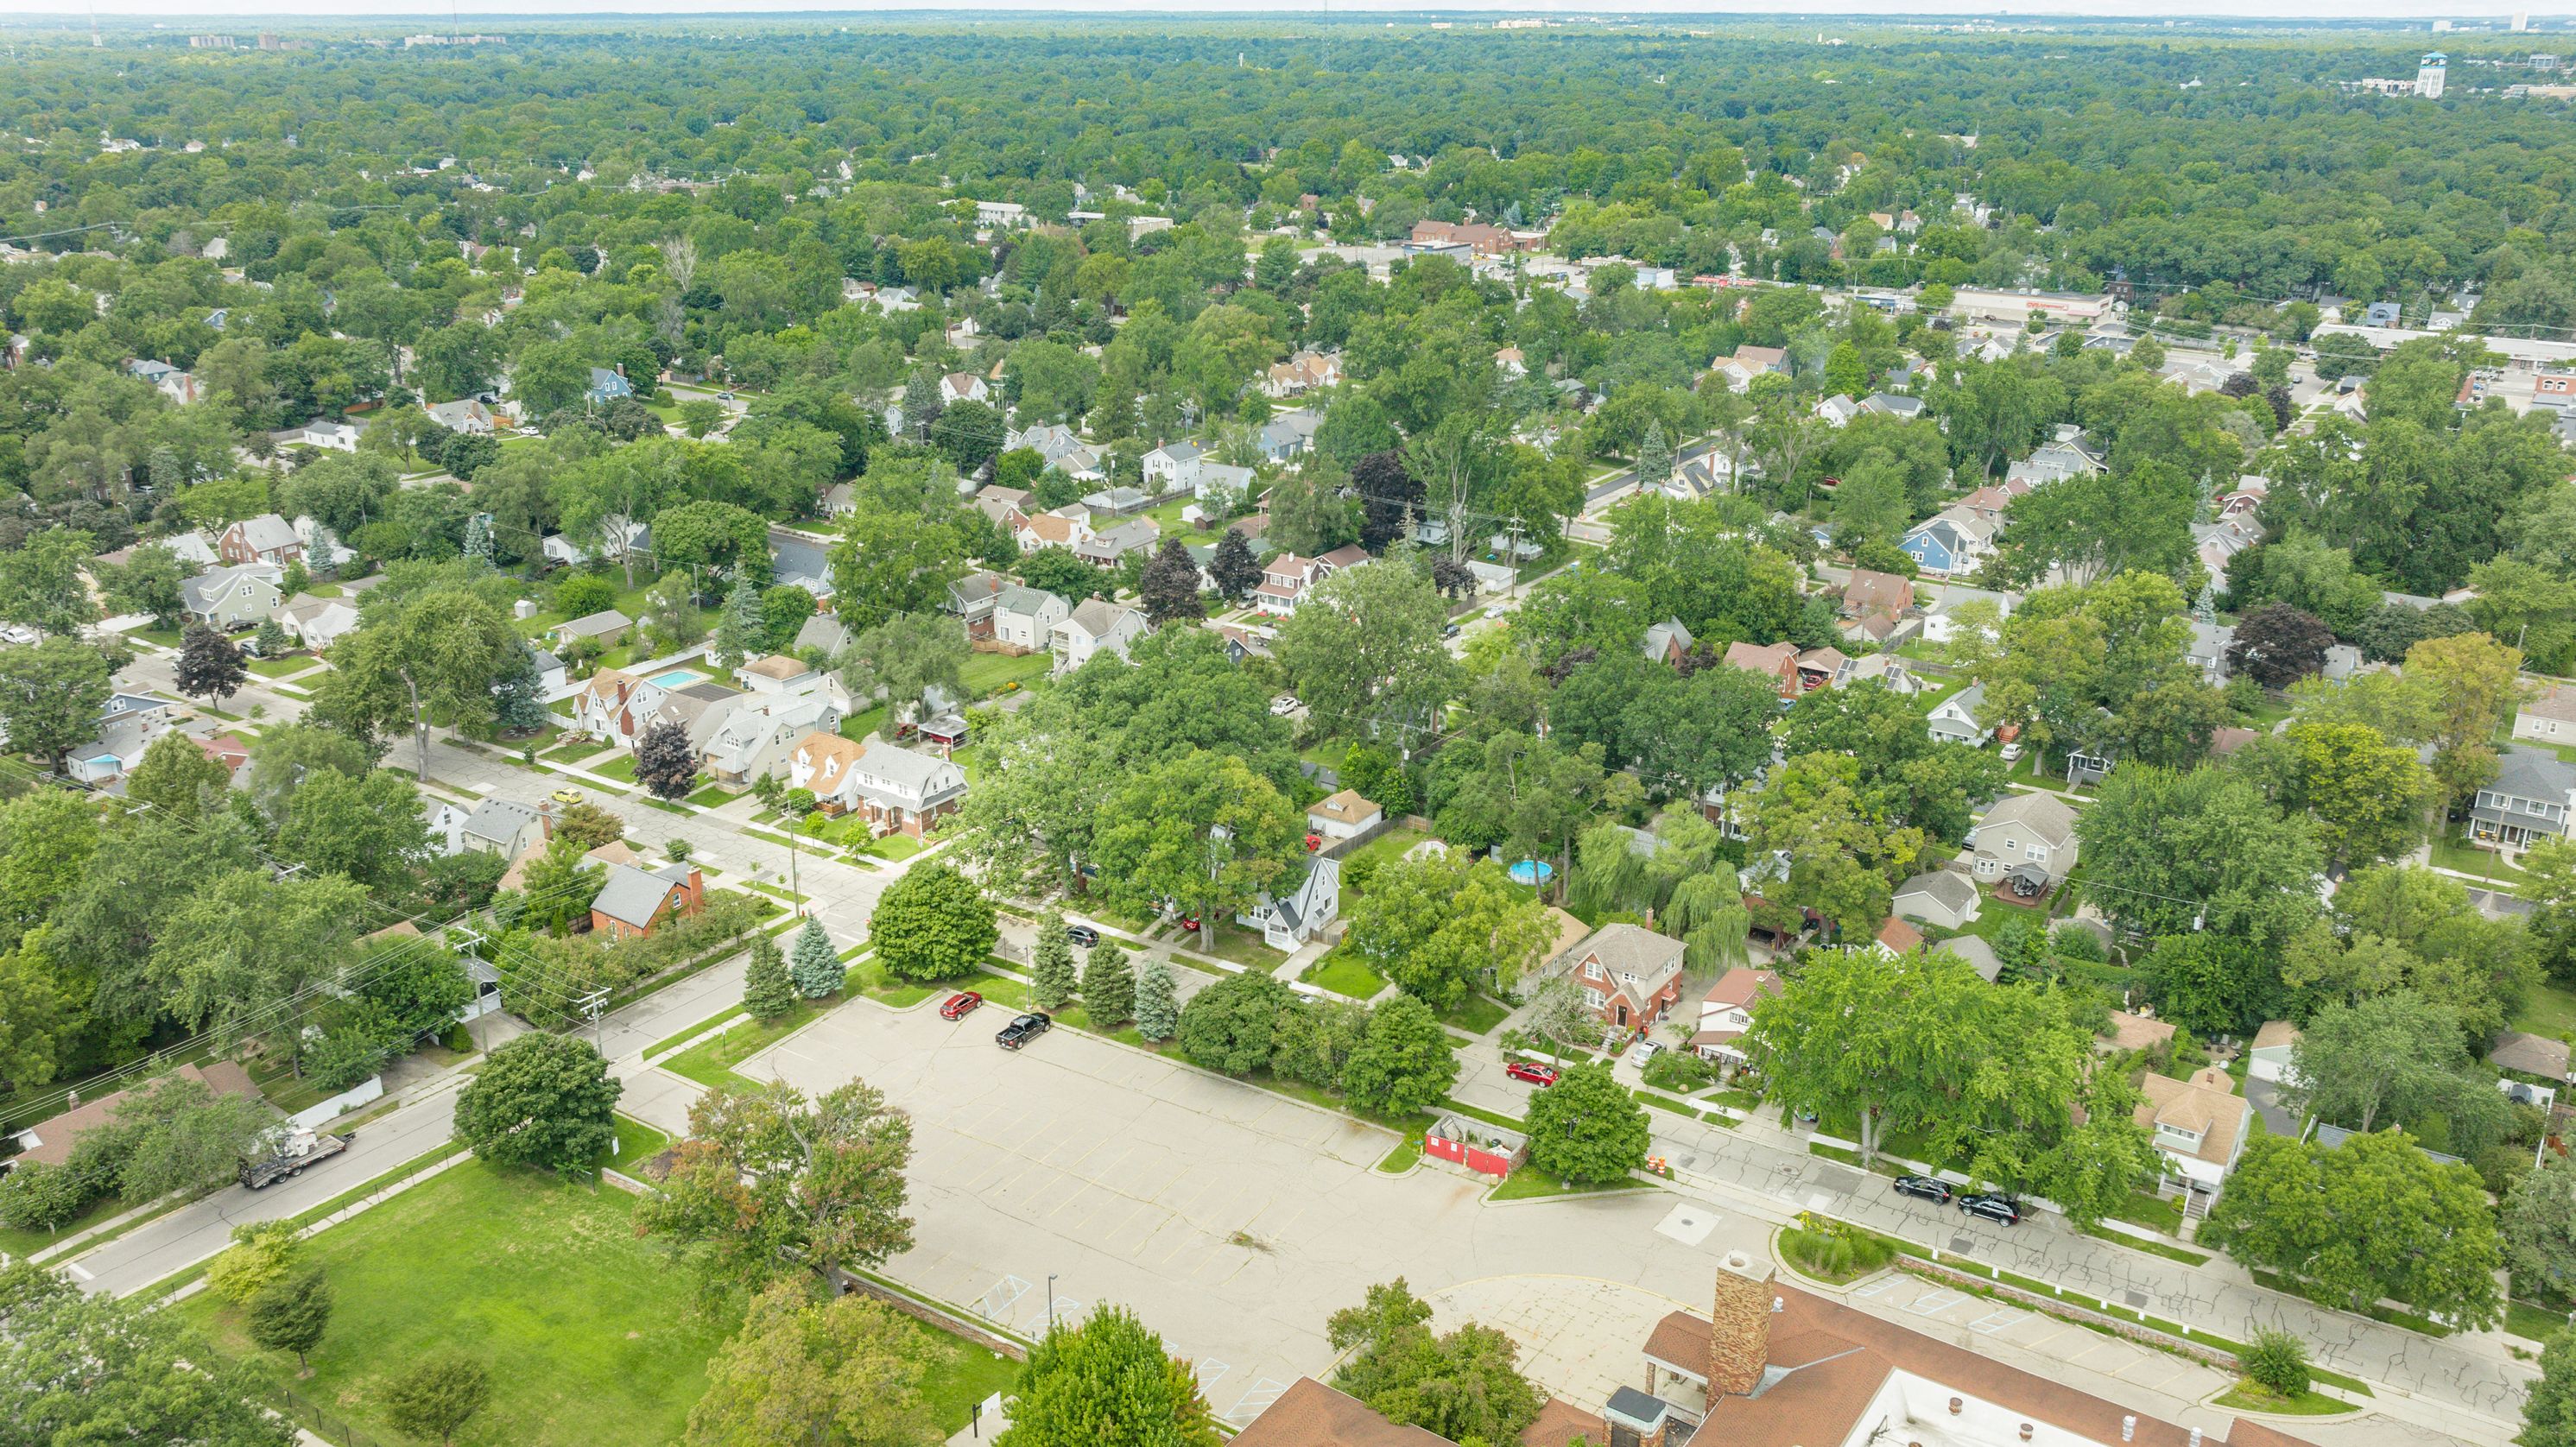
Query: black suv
{"type": "Point", "coordinates": [1022, 1030]}
{"type": "Point", "coordinates": [2002, 1210]}
{"type": "Point", "coordinates": [1083, 935]}
{"type": "Point", "coordinates": [1926, 1188]}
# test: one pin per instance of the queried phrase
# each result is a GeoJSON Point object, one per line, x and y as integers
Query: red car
{"type": "Point", "coordinates": [1189, 922]}
{"type": "Point", "coordinates": [1531, 1071]}
{"type": "Point", "coordinates": [960, 1005]}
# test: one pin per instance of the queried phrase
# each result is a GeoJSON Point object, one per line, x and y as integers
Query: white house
{"type": "Point", "coordinates": [467, 416]}
{"type": "Point", "coordinates": [338, 436]}
{"type": "Point", "coordinates": [762, 730]}
{"type": "Point", "coordinates": [1726, 1012]}
{"type": "Point", "coordinates": [1174, 464]}
{"type": "Point", "coordinates": [1939, 897]}
{"type": "Point", "coordinates": [1345, 815]}
{"type": "Point", "coordinates": [2549, 716]}
{"type": "Point", "coordinates": [1288, 921]}
{"type": "Point", "coordinates": [963, 387]}
{"type": "Point", "coordinates": [2199, 1128]}
{"type": "Point", "coordinates": [896, 789]}
{"type": "Point", "coordinates": [1837, 410]}
{"type": "Point", "coordinates": [180, 387]}
{"type": "Point", "coordinates": [1091, 628]}
{"type": "Point", "coordinates": [1024, 618]}
{"type": "Point", "coordinates": [2269, 1059]}
{"type": "Point", "coordinates": [316, 623]}
{"type": "Point", "coordinates": [1954, 719]}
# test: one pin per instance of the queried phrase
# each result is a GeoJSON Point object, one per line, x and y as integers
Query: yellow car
{"type": "Point", "coordinates": [567, 796]}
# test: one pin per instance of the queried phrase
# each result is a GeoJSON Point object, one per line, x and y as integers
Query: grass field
{"type": "Point", "coordinates": [589, 1340]}
{"type": "Point", "coordinates": [2550, 1011]}
{"type": "Point", "coordinates": [1344, 973]}
{"type": "Point", "coordinates": [985, 672]}
{"type": "Point", "coordinates": [711, 1062]}
{"type": "Point", "coordinates": [2247, 1397]}
{"type": "Point", "coordinates": [1478, 1015]}
{"type": "Point", "coordinates": [287, 667]}
{"type": "Point", "coordinates": [1526, 1185]}
{"type": "Point", "coordinates": [2451, 851]}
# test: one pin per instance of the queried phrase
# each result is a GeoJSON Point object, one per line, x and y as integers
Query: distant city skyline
{"type": "Point", "coordinates": [201, 12]}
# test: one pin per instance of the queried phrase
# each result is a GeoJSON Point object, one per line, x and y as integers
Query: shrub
{"type": "Point", "coordinates": [259, 1257]}
{"type": "Point", "coordinates": [2275, 1361]}
{"type": "Point", "coordinates": [1681, 1071]}
{"type": "Point", "coordinates": [40, 1196]}
{"type": "Point", "coordinates": [583, 594]}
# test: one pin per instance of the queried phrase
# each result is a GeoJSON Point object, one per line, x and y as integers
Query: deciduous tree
{"type": "Point", "coordinates": [290, 1315]}
{"type": "Point", "coordinates": [769, 1181]}
{"type": "Point", "coordinates": [664, 761]}
{"type": "Point", "coordinates": [1464, 1385]}
{"type": "Point", "coordinates": [540, 1100]}
{"type": "Point", "coordinates": [437, 1395]}
{"type": "Point", "coordinates": [1107, 1382]}
{"type": "Point", "coordinates": [1403, 1063]}
{"type": "Point", "coordinates": [1586, 1128]}
{"type": "Point", "coordinates": [842, 1371]}
{"type": "Point", "coordinates": [932, 924]}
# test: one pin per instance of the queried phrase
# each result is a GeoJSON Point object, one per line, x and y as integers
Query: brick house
{"type": "Point", "coordinates": [635, 900]}
{"type": "Point", "coordinates": [1629, 973]}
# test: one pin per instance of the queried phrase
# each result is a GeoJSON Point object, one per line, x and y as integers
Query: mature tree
{"type": "Point", "coordinates": [2539, 1223]}
{"type": "Point", "coordinates": [1204, 832]}
{"type": "Point", "coordinates": [1463, 1385]}
{"type": "Point", "coordinates": [1442, 924]}
{"type": "Point", "coordinates": [2369, 1219]}
{"type": "Point", "coordinates": [2171, 853]}
{"type": "Point", "coordinates": [741, 631]}
{"type": "Point", "coordinates": [932, 924]}
{"type": "Point", "coordinates": [1158, 1013]}
{"type": "Point", "coordinates": [290, 1315]}
{"type": "Point", "coordinates": [540, 1100]}
{"type": "Point", "coordinates": [1236, 571]}
{"type": "Point", "coordinates": [1882, 1038]}
{"type": "Point", "coordinates": [842, 1371]}
{"type": "Point", "coordinates": [369, 828]}
{"type": "Point", "coordinates": [1051, 973]}
{"type": "Point", "coordinates": [1365, 650]}
{"type": "Point", "coordinates": [893, 561]}
{"type": "Point", "coordinates": [82, 1368]}
{"type": "Point", "coordinates": [41, 584]}
{"type": "Point", "coordinates": [50, 695]}
{"type": "Point", "coordinates": [2390, 1058]}
{"type": "Point", "coordinates": [767, 990]}
{"type": "Point", "coordinates": [2365, 793]}
{"type": "Point", "coordinates": [1232, 1026]}
{"type": "Point", "coordinates": [437, 653]}
{"type": "Point", "coordinates": [2549, 869]}
{"type": "Point", "coordinates": [178, 777]}
{"type": "Point", "coordinates": [1169, 587]}
{"type": "Point", "coordinates": [1107, 1382]}
{"type": "Point", "coordinates": [2276, 645]}
{"type": "Point", "coordinates": [173, 1135]}
{"type": "Point", "coordinates": [719, 538]}
{"type": "Point", "coordinates": [2096, 524]}
{"type": "Point", "coordinates": [149, 583]}
{"type": "Point", "coordinates": [768, 1181]}
{"type": "Point", "coordinates": [2476, 685]}
{"type": "Point", "coordinates": [903, 658]}
{"type": "Point", "coordinates": [814, 965]}
{"type": "Point", "coordinates": [2212, 985]}
{"type": "Point", "coordinates": [1586, 1128]}
{"type": "Point", "coordinates": [437, 1394]}
{"type": "Point", "coordinates": [588, 825]}
{"type": "Point", "coordinates": [1403, 1065]}
{"type": "Point", "coordinates": [245, 942]}
{"type": "Point", "coordinates": [2549, 1406]}
{"type": "Point", "coordinates": [1108, 985]}
{"type": "Point", "coordinates": [664, 761]}
{"type": "Point", "coordinates": [262, 1253]}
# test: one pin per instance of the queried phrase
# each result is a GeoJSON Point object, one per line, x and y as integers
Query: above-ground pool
{"type": "Point", "coordinates": [677, 678]}
{"type": "Point", "coordinates": [1533, 871]}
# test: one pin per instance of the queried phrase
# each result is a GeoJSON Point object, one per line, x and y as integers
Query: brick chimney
{"type": "Point", "coordinates": [1739, 1338]}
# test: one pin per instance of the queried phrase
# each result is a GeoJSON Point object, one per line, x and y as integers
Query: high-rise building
{"type": "Point", "coordinates": [2430, 75]}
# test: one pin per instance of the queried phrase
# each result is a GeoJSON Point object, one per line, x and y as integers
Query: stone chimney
{"type": "Point", "coordinates": [1739, 1338]}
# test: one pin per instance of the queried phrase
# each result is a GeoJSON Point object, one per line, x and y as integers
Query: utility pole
{"type": "Point", "coordinates": [591, 1005]}
{"type": "Point", "coordinates": [1514, 591]}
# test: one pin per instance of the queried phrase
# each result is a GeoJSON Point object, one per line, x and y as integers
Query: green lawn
{"type": "Point", "coordinates": [621, 768]}
{"type": "Point", "coordinates": [713, 795]}
{"type": "Point", "coordinates": [2452, 851]}
{"type": "Point", "coordinates": [1401, 1159]}
{"type": "Point", "coordinates": [2246, 1396]}
{"type": "Point", "coordinates": [895, 846]}
{"type": "Point", "coordinates": [636, 1144]}
{"type": "Point", "coordinates": [286, 667]}
{"type": "Point", "coordinates": [1527, 1184]}
{"type": "Point", "coordinates": [1480, 1014]}
{"type": "Point", "coordinates": [27, 1243]}
{"type": "Point", "coordinates": [1236, 944]}
{"type": "Point", "coordinates": [589, 1341]}
{"type": "Point", "coordinates": [2550, 1011]}
{"type": "Point", "coordinates": [711, 1062]}
{"type": "Point", "coordinates": [1344, 972]}
{"type": "Point", "coordinates": [1380, 852]}
{"type": "Point", "coordinates": [985, 673]}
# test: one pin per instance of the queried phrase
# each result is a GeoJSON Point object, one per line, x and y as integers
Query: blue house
{"type": "Point", "coordinates": [607, 386]}
{"type": "Point", "coordinates": [1954, 540]}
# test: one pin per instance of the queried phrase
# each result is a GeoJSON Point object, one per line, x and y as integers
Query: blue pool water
{"type": "Point", "coordinates": [677, 678]}
{"type": "Point", "coordinates": [1533, 871]}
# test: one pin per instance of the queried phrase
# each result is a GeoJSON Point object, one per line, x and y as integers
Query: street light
{"type": "Point", "coordinates": [1050, 1304]}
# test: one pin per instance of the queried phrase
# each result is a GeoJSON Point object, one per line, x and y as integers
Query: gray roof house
{"type": "Point", "coordinates": [822, 634]}
{"type": "Point", "coordinates": [1943, 897]}
{"type": "Point", "coordinates": [1025, 617]}
{"type": "Point", "coordinates": [1092, 628]}
{"type": "Point", "coordinates": [801, 561]}
{"type": "Point", "coordinates": [1288, 921]}
{"type": "Point", "coordinates": [1892, 404]}
{"type": "Point", "coordinates": [607, 626]}
{"type": "Point", "coordinates": [503, 827]}
{"type": "Point", "coordinates": [757, 736]}
{"type": "Point", "coordinates": [1667, 641]}
{"type": "Point", "coordinates": [2033, 829]}
{"type": "Point", "coordinates": [1104, 548]}
{"type": "Point", "coordinates": [1954, 720]}
{"type": "Point", "coordinates": [231, 598]}
{"type": "Point", "coordinates": [2530, 799]}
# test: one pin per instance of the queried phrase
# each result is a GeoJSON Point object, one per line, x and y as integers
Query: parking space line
{"type": "Point", "coordinates": [1994, 1321]}
{"type": "Point", "coordinates": [1253, 1403]}
{"type": "Point", "coordinates": [1931, 1302]}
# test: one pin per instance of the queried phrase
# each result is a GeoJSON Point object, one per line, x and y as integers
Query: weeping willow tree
{"type": "Point", "coordinates": [1609, 874]}
{"type": "Point", "coordinates": [1707, 914]}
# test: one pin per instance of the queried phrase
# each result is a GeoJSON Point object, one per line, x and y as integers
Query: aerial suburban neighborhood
{"type": "Point", "coordinates": [1335, 730]}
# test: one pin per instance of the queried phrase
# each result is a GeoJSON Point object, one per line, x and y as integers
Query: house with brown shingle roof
{"type": "Point", "coordinates": [2520, 1050]}
{"type": "Point", "coordinates": [2130, 1031]}
{"type": "Point", "coordinates": [2548, 716]}
{"type": "Point", "coordinates": [1344, 815]}
{"type": "Point", "coordinates": [1777, 661]}
{"type": "Point", "coordinates": [1726, 1012]}
{"type": "Point", "coordinates": [1630, 974]}
{"type": "Point", "coordinates": [50, 1141]}
{"type": "Point", "coordinates": [2198, 1126]}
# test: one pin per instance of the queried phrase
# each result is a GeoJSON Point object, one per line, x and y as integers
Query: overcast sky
{"type": "Point", "coordinates": [2324, 9]}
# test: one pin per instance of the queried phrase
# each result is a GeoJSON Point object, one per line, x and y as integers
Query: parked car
{"type": "Point", "coordinates": [2001, 1209]}
{"type": "Point", "coordinates": [960, 1005]}
{"type": "Point", "coordinates": [1531, 1071]}
{"type": "Point", "coordinates": [2010, 751]}
{"type": "Point", "coordinates": [1190, 922]}
{"type": "Point", "coordinates": [1925, 1188]}
{"type": "Point", "coordinates": [1284, 705]}
{"type": "Point", "coordinates": [1082, 934]}
{"type": "Point", "coordinates": [1022, 1030]}
{"type": "Point", "coordinates": [566, 796]}
{"type": "Point", "coordinates": [1449, 630]}
{"type": "Point", "coordinates": [1646, 1050]}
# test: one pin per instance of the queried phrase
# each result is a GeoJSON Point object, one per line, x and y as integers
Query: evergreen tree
{"type": "Point", "coordinates": [1108, 985]}
{"type": "Point", "coordinates": [518, 704]}
{"type": "Point", "coordinates": [767, 991]}
{"type": "Point", "coordinates": [814, 964]}
{"type": "Point", "coordinates": [1158, 1010]}
{"type": "Point", "coordinates": [1654, 458]}
{"type": "Point", "coordinates": [1237, 572]}
{"type": "Point", "coordinates": [1170, 587]}
{"type": "Point", "coordinates": [1051, 980]}
{"type": "Point", "coordinates": [437, 1395]}
{"type": "Point", "coordinates": [271, 639]}
{"type": "Point", "coordinates": [920, 404]}
{"type": "Point", "coordinates": [210, 667]}
{"type": "Point", "coordinates": [289, 1316]}
{"type": "Point", "coordinates": [478, 539]}
{"type": "Point", "coordinates": [742, 629]}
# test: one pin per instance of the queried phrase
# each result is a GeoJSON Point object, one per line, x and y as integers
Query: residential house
{"type": "Point", "coordinates": [1956, 539]}
{"type": "Point", "coordinates": [2022, 832]}
{"type": "Point", "coordinates": [1288, 435]}
{"type": "Point", "coordinates": [1885, 669]}
{"type": "Point", "coordinates": [1875, 604]}
{"type": "Point", "coordinates": [1954, 719]}
{"type": "Point", "coordinates": [963, 387]}
{"type": "Point", "coordinates": [2199, 1128]}
{"type": "Point", "coordinates": [1942, 897]}
{"type": "Point", "coordinates": [266, 538]}
{"type": "Point", "coordinates": [118, 747]}
{"type": "Point", "coordinates": [337, 436]}
{"type": "Point", "coordinates": [1222, 484]}
{"type": "Point", "coordinates": [1310, 1414]}
{"type": "Point", "coordinates": [1748, 363]}
{"type": "Point", "coordinates": [637, 899]}
{"type": "Point", "coordinates": [503, 827]}
{"type": "Point", "coordinates": [2547, 716]}
{"type": "Point", "coordinates": [447, 829]}
{"type": "Point", "coordinates": [2274, 1047]}
{"type": "Point", "coordinates": [1107, 547]}
{"type": "Point", "coordinates": [1837, 410]}
{"type": "Point", "coordinates": [760, 732]}
{"type": "Point", "coordinates": [316, 623]}
{"type": "Point", "coordinates": [1285, 581]}
{"type": "Point", "coordinates": [2215, 544]}
{"type": "Point", "coordinates": [2529, 800]}
{"type": "Point", "coordinates": [1823, 668]}
{"type": "Point", "coordinates": [2528, 1054]}
{"type": "Point", "coordinates": [1896, 939]}
{"type": "Point", "coordinates": [607, 385]}
{"type": "Point", "coordinates": [1893, 404]}
{"type": "Point", "coordinates": [180, 387]}
{"type": "Point", "coordinates": [1726, 1012]}
{"type": "Point", "coordinates": [822, 636]}
{"type": "Point", "coordinates": [231, 598]}
{"type": "Point", "coordinates": [1173, 465]}
{"type": "Point", "coordinates": [2133, 1031]}
{"type": "Point", "coordinates": [1302, 373]}
{"type": "Point", "coordinates": [777, 675]}
{"type": "Point", "coordinates": [1940, 624]}
{"type": "Point", "coordinates": [1108, 503]}
{"type": "Point", "coordinates": [971, 599]}
{"type": "Point", "coordinates": [1668, 642]}
{"type": "Point", "coordinates": [229, 751]}
{"type": "Point", "coordinates": [1091, 628]}
{"type": "Point", "coordinates": [1345, 815]}
{"type": "Point", "coordinates": [1630, 974]}
{"type": "Point", "coordinates": [607, 628]}
{"type": "Point", "coordinates": [1024, 618]}
{"type": "Point", "coordinates": [2206, 650]}
{"type": "Point", "coordinates": [1008, 506]}
{"type": "Point", "coordinates": [323, 553]}
{"type": "Point", "coordinates": [896, 790]}
{"type": "Point", "coordinates": [1287, 921]}
{"type": "Point", "coordinates": [618, 537]}
{"type": "Point", "coordinates": [799, 560]}
{"type": "Point", "coordinates": [1772, 660]}
{"type": "Point", "coordinates": [468, 416]}
{"type": "Point", "coordinates": [49, 1142]}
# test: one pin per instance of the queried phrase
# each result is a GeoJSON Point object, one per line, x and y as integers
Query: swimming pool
{"type": "Point", "coordinates": [677, 678]}
{"type": "Point", "coordinates": [1532, 871]}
